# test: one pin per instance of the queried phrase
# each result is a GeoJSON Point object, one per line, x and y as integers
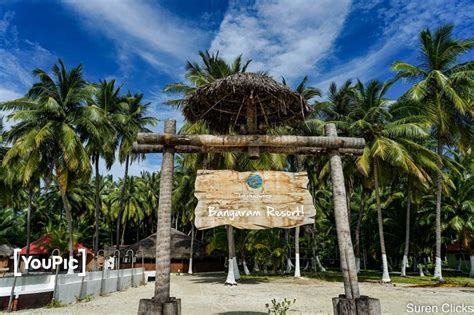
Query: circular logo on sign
{"type": "Point", "coordinates": [254, 181]}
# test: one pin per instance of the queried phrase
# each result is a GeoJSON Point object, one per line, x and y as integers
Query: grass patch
{"type": "Point", "coordinates": [86, 298]}
{"type": "Point", "coordinates": [450, 280]}
{"type": "Point", "coordinates": [54, 304]}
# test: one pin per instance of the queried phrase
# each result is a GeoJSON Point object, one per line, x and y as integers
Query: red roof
{"type": "Point", "coordinates": [456, 247]}
{"type": "Point", "coordinates": [42, 246]}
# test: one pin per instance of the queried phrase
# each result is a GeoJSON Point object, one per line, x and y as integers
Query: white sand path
{"type": "Point", "coordinates": [206, 294]}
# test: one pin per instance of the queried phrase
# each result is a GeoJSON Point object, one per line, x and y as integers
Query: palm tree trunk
{"type": "Point", "coordinates": [348, 199]}
{"type": "Point", "coordinates": [231, 242]}
{"type": "Point", "coordinates": [67, 209]}
{"type": "Point", "coordinates": [346, 251]}
{"type": "Point", "coordinates": [297, 252]}
{"type": "Point", "coordinates": [439, 182]}
{"type": "Point", "coordinates": [122, 204]}
{"type": "Point", "coordinates": [28, 222]}
{"type": "Point", "coordinates": [236, 265]}
{"type": "Point", "coordinates": [407, 234]}
{"type": "Point", "coordinates": [122, 238]}
{"type": "Point", "coordinates": [163, 233]}
{"type": "Point", "coordinates": [246, 268]}
{"type": "Point", "coordinates": [357, 230]}
{"type": "Point", "coordinates": [191, 250]}
{"type": "Point", "coordinates": [385, 275]}
{"type": "Point", "coordinates": [97, 208]}
{"type": "Point", "coordinates": [420, 269]}
{"type": "Point", "coordinates": [289, 264]}
{"type": "Point", "coordinates": [255, 264]}
{"type": "Point", "coordinates": [471, 257]}
{"type": "Point", "coordinates": [319, 264]}
{"type": "Point", "coordinates": [459, 265]}
{"type": "Point", "coordinates": [230, 274]}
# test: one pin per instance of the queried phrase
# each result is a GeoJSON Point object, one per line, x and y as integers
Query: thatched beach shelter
{"type": "Point", "coordinates": [180, 246]}
{"type": "Point", "coordinates": [180, 250]}
{"type": "Point", "coordinates": [6, 252]}
{"type": "Point", "coordinates": [247, 102]}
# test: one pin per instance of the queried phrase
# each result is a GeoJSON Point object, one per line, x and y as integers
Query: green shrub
{"type": "Point", "coordinates": [281, 307]}
{"type": "Point", "coordinates": [54, 304]}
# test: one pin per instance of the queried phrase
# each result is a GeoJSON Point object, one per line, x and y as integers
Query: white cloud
{"type": "Point", "coordinates": [403, 21]}
{"type": "Point", "coordinates": [18, 57]}
{"type": "Point", "coordinates": [286, 38]}
{"type": "Point", "coordinates": [162, 112]}
{"type": "Point", "coordinates": [6, 94]}
{"type": "Point", "coordinates": [149, 31]}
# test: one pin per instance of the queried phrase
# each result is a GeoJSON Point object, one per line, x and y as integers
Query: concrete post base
{"type": "Point", "coordinates": [152, 307]}
{"type": "Point", "coordinates": [360, 306]}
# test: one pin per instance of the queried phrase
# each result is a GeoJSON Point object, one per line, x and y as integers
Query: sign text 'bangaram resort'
{"type": "Point", "coordinates": [253, 200]}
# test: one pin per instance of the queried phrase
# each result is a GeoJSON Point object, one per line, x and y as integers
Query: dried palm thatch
{"type": "Point", "coordinates": [180, 246]}
{"type": "Point", "coordinates": [6, 250]}
{"type": "Point", "coordinates": [247, 102]}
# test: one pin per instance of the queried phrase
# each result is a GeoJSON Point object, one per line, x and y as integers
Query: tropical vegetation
{"type": "Point", "coordinates": [410, 194]}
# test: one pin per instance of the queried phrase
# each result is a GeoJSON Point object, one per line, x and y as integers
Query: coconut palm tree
{"type": "Point", "coordinates": [389, 143]}
{"type": "Point", "coordinates": [458, 207]}
{"type": "Point", "coordinates": [443, 88]}
{"type": "Point", "coordinates": [3, 147]}
{"type": "Point", "coordinates": [14, 175]}
{"type": "Point", "coordinates": [3, 151]}
{"type": "Point", "coordinates": [338, 107]}
{"type": "Point", "coordinates": [136, 206]}
{"type": "Point", "coordinates": [12, 226]}
{"type": "Point", "coordinates": [135, 121]}
{"type": "Point", "coordinates": [211, 68]}
{"type": "Point", "coordinates": [103, 111]}
{"type": "Point", "coordinates": [45, 133]}
{"type": "Point", "coordinates": [184, 202]}
{"type": "Point", "coordinates": [295, 163]}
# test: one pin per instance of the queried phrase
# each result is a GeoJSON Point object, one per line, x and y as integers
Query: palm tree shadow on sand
{"type": "Point", "coordinates": [219, 278]}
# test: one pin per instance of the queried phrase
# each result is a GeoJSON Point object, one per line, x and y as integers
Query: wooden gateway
{"type": "Point", "coordinates": [246, 105]}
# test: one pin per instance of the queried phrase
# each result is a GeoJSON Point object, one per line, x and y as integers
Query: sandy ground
{"type": "Point", "coordinates": [206, 294]}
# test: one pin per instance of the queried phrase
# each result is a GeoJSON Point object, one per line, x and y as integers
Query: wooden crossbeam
{"type": "Point", "coordinates": [288, 142]}
{"type": "Point", "coordinates": [156, 148]}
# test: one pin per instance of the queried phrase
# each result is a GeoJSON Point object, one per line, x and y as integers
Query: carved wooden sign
{"type": "Point", "coordinates": [252, 200]}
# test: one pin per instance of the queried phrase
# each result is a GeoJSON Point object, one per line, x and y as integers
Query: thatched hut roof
{"type": "Point", "coordinates": [6, 250]}
{"type": "Point", "coordinates": [180, 246]}
{"type": "Point", "coordinates": [223, 102]}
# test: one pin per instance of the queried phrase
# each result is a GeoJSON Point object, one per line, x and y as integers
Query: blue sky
{"type": "Point", "coordinates": [144, 44]}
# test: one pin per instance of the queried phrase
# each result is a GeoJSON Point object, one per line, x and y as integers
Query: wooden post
{"type": "Point", "coordinates": [346, 252]}
{"type": "Point", "coordinates": [251, 115]}
{"type": "Point", "coordinates": [253, 151]}
{"type": "Point", "coordinates": [161, 303]}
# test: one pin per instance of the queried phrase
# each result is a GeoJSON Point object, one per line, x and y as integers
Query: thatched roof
{"type": "Point", "coordinates": [222, 103]}
{"type": "Point", "coordinates": [6, 250]}
{"type": "Point", "coordinates": [180, 246]}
